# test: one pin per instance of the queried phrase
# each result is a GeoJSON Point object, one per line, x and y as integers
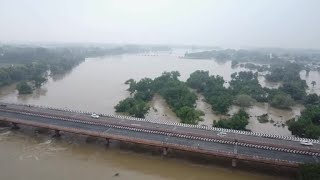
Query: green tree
{"type": "Point", "coordinates": [295, 88]}
{"type": "Point", "coordinates": [220, 104]}
{"type": "Point", "coordinates": [198, 80]}
{"type": "Point", "coordinates": [133, 107]}
{"type": "Point", "coordinates": [213, 90]}
{"type": "Point", "coordinates": [312, 99]}
{"type": "Point", "coordinates": [244, 100]}
{"type": "Point", "coordinates": [38, 81]}
{"type": "Point", "coordinates": [176, 93]}
{"type": "Point", "coordinates": [247, 83]}
{"type": "Point", "coordinates": [24, 88]}
{"type": "Point", "coordinates": [234, 63]}
{"type": "Point", "coordinates": [282, 101]}
{"type": "Point", "coordinates": [189, 115]}
{"type": "Point", "coordinates": [308, 125]}
{"type": "Point", "coordinates": [313, 83]}
{"type": "Point", "coordinates": [238, 121]}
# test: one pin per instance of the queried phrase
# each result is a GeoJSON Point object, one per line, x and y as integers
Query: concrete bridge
{"type": "Point", "coordinates": [235, 145]}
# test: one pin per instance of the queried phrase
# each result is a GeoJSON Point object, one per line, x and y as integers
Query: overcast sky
{"type": "Point", "coordinates": [227, 23]}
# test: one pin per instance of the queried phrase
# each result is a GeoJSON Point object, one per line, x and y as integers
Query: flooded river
{"type": "Point", "coordinates": [25, 155]}
{"type": "Point", "coordinates": [98, 85]}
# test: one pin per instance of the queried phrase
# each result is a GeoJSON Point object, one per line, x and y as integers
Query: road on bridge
{"type": "Point", "coordinates": [233, 145]}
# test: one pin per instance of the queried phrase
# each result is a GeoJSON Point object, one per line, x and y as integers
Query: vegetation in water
{"type": "Point", "coordinates": [245, 82]}
{"type": "Point", "coordinates": [212, 89]}
{"type": "Point", "coordinates": [244, 100]}
{"type": "Point", "coordinates": [134, 107]}
{"type": "Point", "coordinates": [176, 93]}
{"type": "Point", "coordinates": [264, 118]}
{"type": "Point", "coordinates": [238, 121]}
{"type": "Point", "coordinates": [32, 63]}
{"type": "Point", "coordinates": [289, 75]}
{"type": "Point", "coordinates": [308, 125]}
{"type": "Point", "coordinates": [24, 88]}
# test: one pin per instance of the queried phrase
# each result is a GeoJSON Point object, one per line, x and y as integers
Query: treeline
{"type": "Point", "coordinates": [250, 66]}
{"type": "Point", "coordinates": [266, 55]}
{"type": "Point", "coordinates": [30, 64]}
{"type": "Point", "coordinates": [176, 93]}
{"type": "Point", "coordinates": [235, 55]}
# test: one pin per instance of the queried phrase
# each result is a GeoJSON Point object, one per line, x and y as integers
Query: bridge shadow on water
{"type": "Point", "coordinates": [82, 140]}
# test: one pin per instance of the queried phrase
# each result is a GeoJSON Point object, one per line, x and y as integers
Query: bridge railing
{"type": "Point", "coordinates": [220, 153]}
{"type": "Point", "coordinates": [174, 123]}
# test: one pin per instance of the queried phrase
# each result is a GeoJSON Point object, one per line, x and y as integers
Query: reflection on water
{"type": "Point", "coordinates": [28, 156]}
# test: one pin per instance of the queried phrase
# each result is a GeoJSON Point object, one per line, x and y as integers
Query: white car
{"type": "Point", "coordinates": [96, 116]}
{"type": "Point", "coordinates": [306, 143]}
{"type": "Point", "coordinates": [222, 134]}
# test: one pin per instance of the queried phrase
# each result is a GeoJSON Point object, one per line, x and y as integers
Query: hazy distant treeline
{"type": "Point", "coordinates": [258, 55]}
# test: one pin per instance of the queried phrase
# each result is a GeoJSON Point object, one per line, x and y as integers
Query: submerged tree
{"type": "Point", "coordinates": [313, 83]}
{"type": "Point", "coordinates": [24, 88]}
{"type": "Point", "coordinates": [238, 121]}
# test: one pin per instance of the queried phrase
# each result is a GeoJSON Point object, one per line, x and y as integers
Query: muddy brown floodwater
{"type": "Point", "coordinates": [98, 85]}
{"type": "Point", "coordinates": [24, 155]}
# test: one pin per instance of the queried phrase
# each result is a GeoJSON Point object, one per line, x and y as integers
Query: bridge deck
{"type": "Point", "coordinates": [196, 140]}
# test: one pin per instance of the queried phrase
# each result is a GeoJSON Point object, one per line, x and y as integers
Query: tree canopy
{"type": "Point", "coordinates": [24, 88]}
{"type": "Point", "coordinates": [176, 93]}
{"type": "Point", "coordinates": [308, 125]}
{"type": "Point", "coordinates": [238, 121]}
{"type": "Point", "coordinates": [213, 90]}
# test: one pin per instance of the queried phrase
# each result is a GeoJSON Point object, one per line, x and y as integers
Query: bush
{"type": "Point", "coordinates": [189, 115]}
{"type": "Point", "coordinates": [136, 108]}
{"type": "Point", "coordinates": [238, 121]}
{"type": "Point", "coordinates": [282, 101]}
{"type": "Point", "coordinates": [24, 88]}
{"type": "Point", "coordinates": [308, 125]}
{"type": "Point", "coordinates": [244, 100]}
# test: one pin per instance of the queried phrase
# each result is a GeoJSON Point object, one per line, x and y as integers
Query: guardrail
{"type": "Point", "coordinates": [176, 124]}
{"type": "Point", "coordinates": [278, 162]}
{"type": "Point", "coordinates": [217, 139]}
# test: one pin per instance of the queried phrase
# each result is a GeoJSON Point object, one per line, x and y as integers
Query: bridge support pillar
{"type": "Point", "coordinates": [56, 133]}
{"type": "Point", "coordinates": [234, 163]}
{"type": "Point", "coordinates": [165, 151]}
{"type": "Point", "coordinates": [15, 126]}
{"type": "Point", "coordinates": [107, 141]}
